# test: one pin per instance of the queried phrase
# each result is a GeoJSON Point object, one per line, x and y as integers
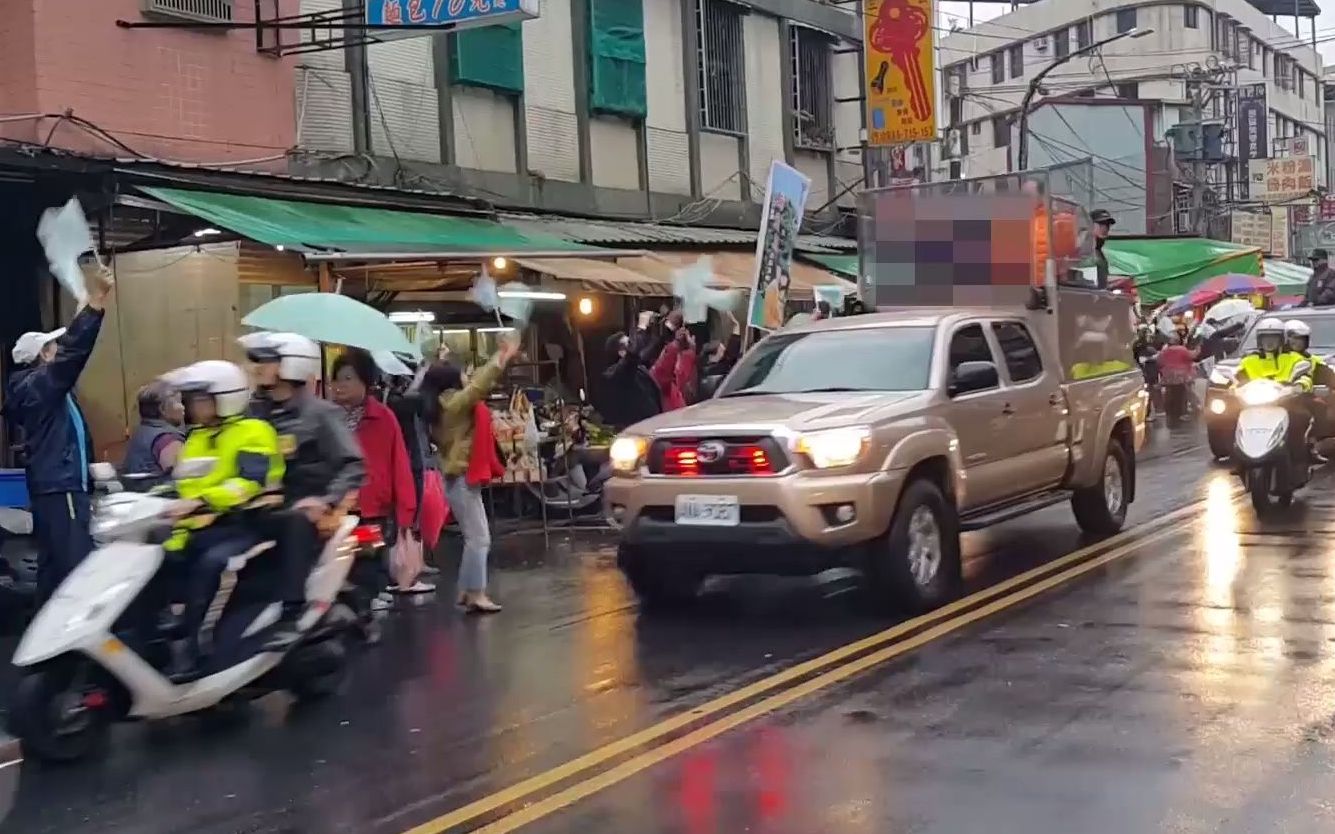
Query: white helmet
{"type": "Point", "coordinates": [1295, 328]}
{"type": "Point", "coordinates": [299, 359]}
{"type": "Point", "coordinates": [1270, 326]}
{"type": "Point", "coordinates": [225, 381]}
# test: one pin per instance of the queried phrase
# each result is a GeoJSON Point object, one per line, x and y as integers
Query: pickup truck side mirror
{"type": "Point", "coordinates": [972, 376]}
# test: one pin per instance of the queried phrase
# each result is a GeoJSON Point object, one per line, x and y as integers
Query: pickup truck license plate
{"type": "Point", "coordinates": [709, 510]}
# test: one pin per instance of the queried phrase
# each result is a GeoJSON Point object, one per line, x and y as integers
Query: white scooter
{"type": "Point", "coordinates": [96, 652]}
{"type": "Point", "coordinates": [1269, 468]}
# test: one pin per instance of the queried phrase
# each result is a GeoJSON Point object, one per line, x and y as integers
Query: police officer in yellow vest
{"type": "Point", "coordinates": [1298, 338]}
{"type": "Point", "coordinates": [228, 461]}
{"type": "Point", "coordinates": [1273, 360]}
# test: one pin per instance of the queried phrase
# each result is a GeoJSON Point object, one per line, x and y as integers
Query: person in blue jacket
{"type": "Point", "coordinates": [40, 399]}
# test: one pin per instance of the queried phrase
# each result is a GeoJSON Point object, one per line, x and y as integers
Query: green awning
{"type": "Point", "coordinates": [1164, 268]}
{"type": "Point", "coordinates": [304, 226]}
{"type": "Point", "coordinates": [846, 265]}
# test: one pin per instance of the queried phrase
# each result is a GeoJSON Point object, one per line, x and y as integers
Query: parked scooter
{"type": "Point", "coordinates": [1266, 460]}
{"type": "Point", "coordinates": [98, 650]}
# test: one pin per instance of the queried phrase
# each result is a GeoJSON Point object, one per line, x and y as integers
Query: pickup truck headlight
{"type": "Point", "coordinates": [833, 447]}
{"type": "Point", "coordinates": [1221, 376]}
{"type": "Point", "coordinates": [627, 453]}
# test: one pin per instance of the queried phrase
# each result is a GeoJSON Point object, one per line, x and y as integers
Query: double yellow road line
{"type": "Point", "coordinates": [675, 735]}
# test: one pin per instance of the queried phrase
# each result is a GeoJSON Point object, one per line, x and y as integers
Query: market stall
{"type": "Point", "coordinates": [1164, 268]}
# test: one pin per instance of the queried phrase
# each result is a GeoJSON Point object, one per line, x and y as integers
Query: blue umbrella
{"type": "Point", "coordinates": [336, 319]}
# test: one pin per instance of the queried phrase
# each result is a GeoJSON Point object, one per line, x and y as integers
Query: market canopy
{"type": "Point", "coordinates": [303, 226]}
{"type": "Point", "coordinates": [844, 265]}
{"type": "Point", "coordinates": [1163, 268]}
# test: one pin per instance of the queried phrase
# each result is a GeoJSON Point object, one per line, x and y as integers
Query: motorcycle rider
{"type": "Point", "coordinates": [1273, 360]}
{"type": "Point", "coordinates": [324, 461]}
{"type": "Point", "coordinates": [243, 463]}
{"type": "Point", "coordinates": [1298, 338]}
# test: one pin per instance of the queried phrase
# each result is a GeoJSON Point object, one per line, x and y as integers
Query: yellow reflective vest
{"type": "Point", "coordinates": [1286, 367]}
{"type": "Point", "coordinates": [246, 463]}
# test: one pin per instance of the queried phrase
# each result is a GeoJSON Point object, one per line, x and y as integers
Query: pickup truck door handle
{"type": "Point", "coordinates": [1007, 409]}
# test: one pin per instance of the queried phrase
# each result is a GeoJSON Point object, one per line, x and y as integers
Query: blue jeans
{"type": "Point", "coordinates": [467, 507]}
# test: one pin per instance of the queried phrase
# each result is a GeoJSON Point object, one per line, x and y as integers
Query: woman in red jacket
{"type": "Point", "coordinates": [389, 493]}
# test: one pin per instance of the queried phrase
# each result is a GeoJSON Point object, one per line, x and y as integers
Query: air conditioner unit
{"type": "Point", "coordinates": [1040, 44]}
{"type": "Point", "coordinates": [204, 11]}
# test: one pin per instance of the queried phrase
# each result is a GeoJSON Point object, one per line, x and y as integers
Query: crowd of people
{"type": "Point", "coordinates": [241, 444]}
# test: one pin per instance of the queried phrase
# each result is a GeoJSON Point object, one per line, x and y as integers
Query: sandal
{"type": "Point", "coordinates": [418, 587]}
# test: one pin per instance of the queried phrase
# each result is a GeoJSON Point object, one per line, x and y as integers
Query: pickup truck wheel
{"type": "Point", "coordinates": [916, 567]}
{"type": "Point", "coordinates": [1101, 508]}
{"type": "Point", "coordinates": [658, 590]}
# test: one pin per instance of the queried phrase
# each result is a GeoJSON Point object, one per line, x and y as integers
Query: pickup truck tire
{"type": "Point", "coordinates": [658, 589]}
{"type": "Point", "coordinates": [1101, 508]}
{"type": "Point", "coordinates": [915, 567]}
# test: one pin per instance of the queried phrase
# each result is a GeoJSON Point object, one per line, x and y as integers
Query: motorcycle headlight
{"type": "Point", "coordinates": [833, 447]}
{"type": "Point", "coordinates": [1221, 376]}
{"type": "Point", "coordinates": [627, 453]}
{"type": "Point", "coordinates": [1260, 392]}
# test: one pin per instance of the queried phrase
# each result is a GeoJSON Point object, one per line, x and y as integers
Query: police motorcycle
{"type": "Point", "coordinates": [100, 650]}
{"type": "Point", "coordinates": [1264, 454]}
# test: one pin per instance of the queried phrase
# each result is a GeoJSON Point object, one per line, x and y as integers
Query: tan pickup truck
{"type": "Point", "coordinates": [872, 441]}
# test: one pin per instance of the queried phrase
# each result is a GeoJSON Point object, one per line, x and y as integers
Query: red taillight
{"type": "Point", "coordinates": [367, 535]}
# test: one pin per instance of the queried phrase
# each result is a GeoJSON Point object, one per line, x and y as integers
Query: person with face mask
{"type": "Point", "coordinates": [40, 400]}
{"type": "Point", "coordinates": [324, 462]}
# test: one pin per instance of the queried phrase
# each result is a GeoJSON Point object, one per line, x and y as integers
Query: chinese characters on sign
{"type": "Point", "coordinates": [455, 14]}
{"type": "Point", "coordinates": [1268, 231]}
{"type": "Point", "coordinates": [900, 72]}
{"type": "Point", "coordinates": [1281, 180]}
{"type": "Point", "coordinates": [1253, 136]}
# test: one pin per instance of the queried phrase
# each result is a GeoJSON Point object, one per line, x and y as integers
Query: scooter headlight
{"type": "Point", "coordinates": [1222, 376]}
{"type": "Point", "coordinates": [1260, 392]}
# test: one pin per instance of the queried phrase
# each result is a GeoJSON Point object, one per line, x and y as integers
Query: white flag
{"type": "Point", "coordinates": [65, 236]}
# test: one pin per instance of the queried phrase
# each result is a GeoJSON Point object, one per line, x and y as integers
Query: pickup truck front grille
{"type": "Point", "coordinates": [692, 457]}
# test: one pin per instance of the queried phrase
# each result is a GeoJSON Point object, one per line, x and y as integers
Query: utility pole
{"type": "Point", "coordinates": [1200, 221]}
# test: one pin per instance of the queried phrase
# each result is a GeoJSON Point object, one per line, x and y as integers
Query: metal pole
{"type": "Point", "coordinates": [1022, 157]}
{"type": "Point", "coordinates": [1198, 219]}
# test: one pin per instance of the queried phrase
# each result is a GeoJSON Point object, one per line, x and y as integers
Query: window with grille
{"type": "Point", "coordinates": [1017, 61]}
{"type": "Point", "coordinates": [1126, 19]}
{"type": "Point", "coordinates": [1082, 35]}
{"type": "Point", "coordinates": [1128, 89]}
{"type": "Point", "coordinates": [1001, 131]}
{"type": "Point", "coordinates": [998, 68]}
{"type": "Point", "coordinates": [719, 57]}
{"type": "Point", "coordinates": [1061, 42]}
{"type": "Point", "coordinates": [1191, 16]}
{"type": "Point", "coordinates": [813, 108]}
{"type": "Point", "coordinates": [209, 11]}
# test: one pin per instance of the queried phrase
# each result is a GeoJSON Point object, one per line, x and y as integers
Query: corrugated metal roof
{"type": "Point", "coordinates": [648, 235]}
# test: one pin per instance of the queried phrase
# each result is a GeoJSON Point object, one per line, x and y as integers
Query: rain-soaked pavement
{"type": "Point", "coordinates": [1185, 685]}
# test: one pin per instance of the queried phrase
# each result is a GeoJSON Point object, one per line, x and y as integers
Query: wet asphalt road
{"type": "Point", "coordinates": [1182, 688]}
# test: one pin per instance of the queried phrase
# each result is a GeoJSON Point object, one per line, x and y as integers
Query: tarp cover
{"type": "Point", "coordinates": [1165, 268]}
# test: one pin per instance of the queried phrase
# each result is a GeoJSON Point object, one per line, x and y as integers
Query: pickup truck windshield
{"type": "Point", "coordinates": [864, 359]}
{"type": "Point", "coordinates": [1323, 332]}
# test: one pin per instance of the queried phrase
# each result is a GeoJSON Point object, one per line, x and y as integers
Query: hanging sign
{"type": "Point", "coordinates": [785, 200]}
{"type": "Point", "coordinates": [1253, 132]}
{"type": "Point", "coordinates": [901, 68]}
{"type": "Point", "coordinates": [428, 17]}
